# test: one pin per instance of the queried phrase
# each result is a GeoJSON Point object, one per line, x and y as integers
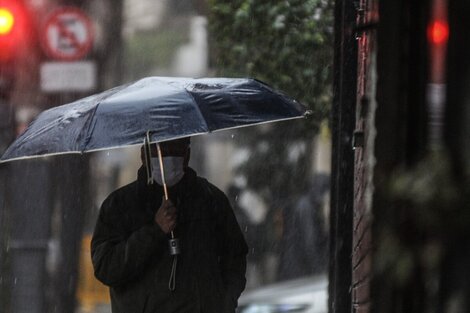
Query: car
{"type": "Point", "coordinates": [305, 295]}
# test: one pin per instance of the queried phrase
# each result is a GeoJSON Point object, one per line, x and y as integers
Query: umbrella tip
{"type": "Point", "coordinates": [308, 114]}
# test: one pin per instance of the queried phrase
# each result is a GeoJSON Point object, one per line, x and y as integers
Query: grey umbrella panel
{"type": "Point", "coordinates": [166, 110]}
{"type": "Point", "coordinates": [167, 107]}
{"type": "Point", "coordinates": [60, 129]}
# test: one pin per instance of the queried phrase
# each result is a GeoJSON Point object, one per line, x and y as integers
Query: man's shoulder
{"type": "Point", "coordinates": [126, 190]}
{"type": "Point", "coordinates": [214, 195]}
{"type": "Point", "coordinates": [210, 188]}
{"type": "Point", "coordinates": [122, 195]}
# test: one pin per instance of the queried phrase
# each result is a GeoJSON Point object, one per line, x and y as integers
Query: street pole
{"type": "Point", "coordinates": [7, 134]}
{"type": "Point", "coordinates": [29, 233]}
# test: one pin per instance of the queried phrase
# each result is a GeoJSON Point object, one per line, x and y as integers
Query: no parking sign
{"type": "Point", "coordinates": [67, 34]}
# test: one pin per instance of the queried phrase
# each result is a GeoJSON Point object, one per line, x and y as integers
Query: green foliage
{"type": "Point", "coordinates": [289, 45]}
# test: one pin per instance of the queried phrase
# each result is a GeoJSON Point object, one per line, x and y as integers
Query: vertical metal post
{"type": "Point", "coordinates": [7, 134]}
{"type": "Point", "coordinates": [4, 227]}
{"type": "Point", "coordinates": [29, 233]}
{"type": "Point", "coordinates": [343, 122]}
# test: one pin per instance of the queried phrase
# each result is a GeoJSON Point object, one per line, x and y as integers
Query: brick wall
{"type": "Point", "coordinates": [364, 159]}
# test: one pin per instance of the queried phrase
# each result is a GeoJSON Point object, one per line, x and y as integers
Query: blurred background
{"type": "Point", "coordinates": [393, 214]}
{"type": "Point", "coordinates": [277, 176]}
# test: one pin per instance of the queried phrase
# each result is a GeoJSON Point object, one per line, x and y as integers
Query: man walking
{"type": "Point", "coordinates": [130, 251]}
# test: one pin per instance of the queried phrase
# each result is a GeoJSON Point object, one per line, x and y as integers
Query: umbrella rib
{"type": "Point", "coordinates": [89, 129]}
{"type": "Point", "coordinates": [198, 109]}
{"type": "Point", "coordinates": [261, 123]}
{"type": "Point", "coordinates": [91, 125]}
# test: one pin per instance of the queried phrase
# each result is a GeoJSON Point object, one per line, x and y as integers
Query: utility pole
{"type": "Point", "coordinates": [29, 233]}
{"type": "Point", "coordinates": [7, 135]}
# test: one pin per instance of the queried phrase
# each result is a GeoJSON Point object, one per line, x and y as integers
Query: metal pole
{"type": "Point", "coordinates": [30, 229]}
{"type": "Point", "coordinates": [7, 135]}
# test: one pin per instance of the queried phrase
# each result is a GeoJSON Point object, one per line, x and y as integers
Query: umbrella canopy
{"type": "Point", "coordinates": [168, 108]}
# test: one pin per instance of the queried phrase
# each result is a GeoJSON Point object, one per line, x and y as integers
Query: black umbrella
{"type": "Point", "coordinates": [153, 110]}
{"type": "Point", "coordinates": [167, 108]}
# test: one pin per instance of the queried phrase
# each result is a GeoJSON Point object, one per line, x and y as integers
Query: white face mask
{"type": "Point", "coordinates": [173, 170]}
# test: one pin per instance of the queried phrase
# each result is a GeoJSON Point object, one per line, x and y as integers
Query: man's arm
{"type": "Point", "coordinates": [117, 256]}
{"type": "Point", "coordinates": [234, 251]}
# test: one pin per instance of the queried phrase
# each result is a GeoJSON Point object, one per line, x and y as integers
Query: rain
{"type": "Point", "coordinates": [276, 176]}
{"type": "Point", "coordinates": [242, 156]}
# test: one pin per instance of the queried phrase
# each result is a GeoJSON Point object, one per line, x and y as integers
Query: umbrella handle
{"type": "Point", "coordinates": [173, 242]}
{"type": "Point", "coordinates": [162, 171]}
{"type": "Point", "coordinates": [148, 167]}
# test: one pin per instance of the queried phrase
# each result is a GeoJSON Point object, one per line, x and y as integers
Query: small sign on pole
{"type": "Point", "coordinates": [68, 76]}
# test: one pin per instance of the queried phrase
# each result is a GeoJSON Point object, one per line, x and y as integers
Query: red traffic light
{"type": "Point", "coordinates": [7, 21]}
{"type": "Point", "coordinates": [13, 28]}
{"type": "Point", "coordinates": [438, 32]}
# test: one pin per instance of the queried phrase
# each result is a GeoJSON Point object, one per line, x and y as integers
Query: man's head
{"type": "Point", "coordinates": [175, 154]}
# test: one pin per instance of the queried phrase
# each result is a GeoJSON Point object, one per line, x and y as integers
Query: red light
{"type": "Point", "coordinates": [13, 28]}
{"type": "Point", "coordinates": [6, 21]}
{"type": "Point", "coordinates": [438, 32]}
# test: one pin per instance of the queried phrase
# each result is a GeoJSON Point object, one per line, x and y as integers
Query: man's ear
{"type": "Point", "coordinates": [186, 158]}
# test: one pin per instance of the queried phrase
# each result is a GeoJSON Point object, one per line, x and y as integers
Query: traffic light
{"type": "Point", "coordinates": [7, 21]}
{"type": "Point", "coordinates": [12, 28]}
{"type": "Point", "coordinates": [438, 32]}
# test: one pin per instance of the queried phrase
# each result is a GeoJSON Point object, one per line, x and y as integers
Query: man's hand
{"type": "Point", "coordinates": [166, 216]}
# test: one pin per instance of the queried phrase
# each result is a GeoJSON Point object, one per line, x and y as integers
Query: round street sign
{"type": "Point", "coordinates": [67, 34]}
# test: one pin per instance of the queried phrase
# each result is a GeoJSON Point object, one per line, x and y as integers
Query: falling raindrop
{"type": "Point", "coordinates": [233, 136]}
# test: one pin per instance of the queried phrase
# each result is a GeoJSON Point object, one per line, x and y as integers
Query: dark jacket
{"type": "Point", "coordinates": [130, 252]}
